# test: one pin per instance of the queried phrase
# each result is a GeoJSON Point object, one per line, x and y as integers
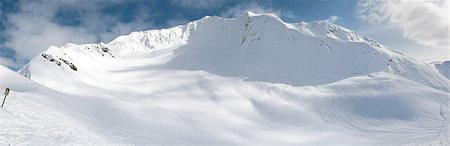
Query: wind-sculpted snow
{"type": "Point", "coordinates": [244, 81]}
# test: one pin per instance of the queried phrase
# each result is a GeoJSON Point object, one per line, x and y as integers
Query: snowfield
{"type": "Point", "coordinates": [252, 80]}
{"type": "Point", "coordinates": [30, 117]}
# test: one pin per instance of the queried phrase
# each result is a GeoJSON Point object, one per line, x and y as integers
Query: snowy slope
{"type": "Point", "coordinates": [167, 106]}
{"type": "Point", "coordinates": [28, 117]}
{"type": "Point", "coordinates": [248, 80]}
{"type": "Point", "coordinates": [10, 79]}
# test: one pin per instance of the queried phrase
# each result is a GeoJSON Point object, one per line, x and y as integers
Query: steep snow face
{"type": "Point", "coordinates": [151, 40]}
{"type": "Point", "coordinates": [263, 48]}
{"type": "Point", "coordinates": [326, 29]}
{"type": "Point", "coordinates": [257, 47]}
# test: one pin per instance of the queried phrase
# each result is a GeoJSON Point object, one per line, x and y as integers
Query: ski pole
{"type": "Point", "coordinates": [6, 94]}
{"type": "Point", "coordinates": [4, 100]}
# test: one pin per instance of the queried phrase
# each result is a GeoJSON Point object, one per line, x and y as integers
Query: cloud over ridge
{"type": "Point", "coordinates": [426, 22]}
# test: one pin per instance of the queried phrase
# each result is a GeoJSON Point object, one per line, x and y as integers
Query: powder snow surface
{"type": "Point", "coordinates": [252, 80]}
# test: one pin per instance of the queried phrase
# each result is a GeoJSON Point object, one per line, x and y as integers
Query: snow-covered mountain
{"type": "Point", "coordinates": [258, 47]}
{"type": "Point", "coordinates": [443, 67]}
{"type": "Point", "coordinates": [248, 80]}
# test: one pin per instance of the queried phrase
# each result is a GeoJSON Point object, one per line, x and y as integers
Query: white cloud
{"type": "Point", "coordinates": [33, 29]}
{"type": "Point", "coordinates": [254, 7]}
{"type": "Point", "coordinates": [198, 4]}
{"type": "Point", "coordinates": [7, 62]}
{"type": "Point", "coordinates": [424, 21]}
{"type": "Point", "coordinates": [391, 36]}
{"type": "Point", "coordinates": [31, 34]}
{"type": "Point", "coordinates": [332, 19]}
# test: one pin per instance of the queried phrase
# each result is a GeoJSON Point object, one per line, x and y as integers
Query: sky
{"type": "Point", "coordinates": [416, 28]}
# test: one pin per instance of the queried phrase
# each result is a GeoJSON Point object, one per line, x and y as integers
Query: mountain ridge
{"type": "Point", "coordinates": [241, 46]}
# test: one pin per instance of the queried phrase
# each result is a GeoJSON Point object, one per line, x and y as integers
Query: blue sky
{"type": "Point", "coordinates": [30, 27]}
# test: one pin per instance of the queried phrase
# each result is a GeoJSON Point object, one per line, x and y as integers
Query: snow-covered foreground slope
{"type": "Point", "coordinates": [30, 118]}
{"type": "Point", "coordinates": [248, 80]}
{"type": "Point", "coordinates": [195, 107]}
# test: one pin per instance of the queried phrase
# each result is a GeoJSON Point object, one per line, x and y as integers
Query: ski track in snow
{"type": "Point", "coordinates": [24, 122]}
{"type": "Point", "coordinates": [270, 108]}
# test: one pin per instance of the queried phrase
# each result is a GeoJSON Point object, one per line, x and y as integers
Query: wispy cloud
{"type": "Point", "coordinates": [332, 19]}
{"type": "Point", "coordinates": [425, 22]}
